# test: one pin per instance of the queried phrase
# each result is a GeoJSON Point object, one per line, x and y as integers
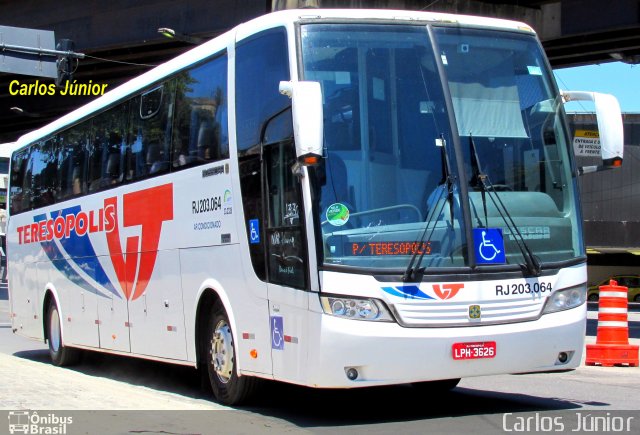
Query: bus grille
{"type": "Point", "coordinates": [442, 314]}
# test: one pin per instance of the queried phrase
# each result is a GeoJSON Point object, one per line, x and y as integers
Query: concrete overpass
{"type": "Point", "coordinates": [573, 32]}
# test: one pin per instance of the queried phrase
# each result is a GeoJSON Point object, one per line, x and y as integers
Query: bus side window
{"type": "Point", "coordinates": [285, 235]}
{"type": "Point", "coordinates": [201, 132]}
{"type": "Point", "coordinates": [43, 173]}
{"type": "Point", "coordinates": [261, 63]}
{"type": "Point", "coordinates": [20, 195]}
{"type": "Point", "coordinates": [71, 150]}
{"type": "Point", "coordinates": [105, 159]}
{"type": "Point", "coordinates": [147, 155]}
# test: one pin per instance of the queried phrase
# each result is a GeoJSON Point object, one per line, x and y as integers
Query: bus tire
{"type": "Point", "coordinates": [228, 388]}
{"type": "Point", "coordinates": [60, 354]}
{"type": "Point", "coordinates": [437, 386]}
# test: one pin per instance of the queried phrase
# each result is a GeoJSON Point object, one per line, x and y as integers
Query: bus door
{"type": "Point", "coordinates": [287, 265]}
{"type": "Point", "coordinates": [271, 194]}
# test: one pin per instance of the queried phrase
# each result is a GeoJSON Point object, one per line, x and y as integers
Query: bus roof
{"type": "Point", "coordinates": [294, 15]}
{"type": "Point", "coordinates": [219, 43]}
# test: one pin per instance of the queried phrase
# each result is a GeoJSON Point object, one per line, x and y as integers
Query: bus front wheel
{"type": "Point", "coordinates": [228, 388]}
{"type": "Point", "coordinates": [60, 354]}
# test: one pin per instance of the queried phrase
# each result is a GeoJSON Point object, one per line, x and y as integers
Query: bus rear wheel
{"type": "Point", "coordinates": [228, 388]}
{"type": "Point", "coordinates": [60, 354]}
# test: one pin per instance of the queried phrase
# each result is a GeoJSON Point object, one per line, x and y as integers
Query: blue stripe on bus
{"type": "Point", "coordinates": [81, 252]}
{"type": "Point", "coordinates": [407, 292]}
{"type": "Point", "coordinates": [88, 264]}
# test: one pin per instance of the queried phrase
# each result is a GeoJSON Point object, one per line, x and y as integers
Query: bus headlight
{"type": "Point", "coordinates": [356, 308]}
{"type": "Point", "coordinates": [566, 299]}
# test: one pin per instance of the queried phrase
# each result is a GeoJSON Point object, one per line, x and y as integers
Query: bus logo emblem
{"type": "Point", "coordinates": [447, 291]}
{"type": "Point", "coordinates": [142, 250]}
{"type": "Point", "coordinates": [474, 312]}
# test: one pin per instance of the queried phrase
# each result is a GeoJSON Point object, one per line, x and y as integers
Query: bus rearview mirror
{"type": "Point", "coordinates": [609, 118]}
{"type": "Point", "coordinates": [306, 109]}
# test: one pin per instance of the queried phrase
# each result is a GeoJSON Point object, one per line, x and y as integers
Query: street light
{"type": "Point", "coordinates": [178, 36]}
{"type": "Point", "coordinates": [21, 111]}
{"type": "Point", "coordinates": [622, 57]}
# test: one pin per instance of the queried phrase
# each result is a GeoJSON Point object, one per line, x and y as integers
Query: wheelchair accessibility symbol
{"type": "Point", "coordinates": [277, 333]}
{"type": "Point", "coordinates": [489, 246]}
{"type": "Point", "coordinates": [254, 231]}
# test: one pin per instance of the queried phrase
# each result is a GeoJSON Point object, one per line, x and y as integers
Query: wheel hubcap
{"type": "Point", "coordinates": [222, 351]}
{"type": "Point", "coordinates": [54, 330]}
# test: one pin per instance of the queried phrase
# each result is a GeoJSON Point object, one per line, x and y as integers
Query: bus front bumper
{"type": "Point", "coordinates": [386, 353]}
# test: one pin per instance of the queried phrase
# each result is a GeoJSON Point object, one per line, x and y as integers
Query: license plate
{"type": "Point", "coordinates": [483, 349]}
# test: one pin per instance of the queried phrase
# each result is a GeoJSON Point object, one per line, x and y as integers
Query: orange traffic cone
{"type": "Point", "coordinates": [612, 342]}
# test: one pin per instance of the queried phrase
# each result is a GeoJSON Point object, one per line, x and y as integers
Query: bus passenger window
{"type": "Point", "coordinates": [148, 153]}
{"type": "Point", "coordinates": [105, 152]}
{"type": "Point", "coordinates": [200, 132]}
{"type": "Point", "coordinates": [20, 195]}
{"type": "Point", "coordinates": [43, 174]}
{"type": "Point", "coordinates": [71, 149]}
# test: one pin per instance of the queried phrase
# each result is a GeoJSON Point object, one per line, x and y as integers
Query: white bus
{"type": "Point", "coordinates": [330, 198]}
{"type": "Point", "coordinates": [5, 155]}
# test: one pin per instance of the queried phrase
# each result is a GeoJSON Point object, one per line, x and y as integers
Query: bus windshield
{"type": "Point", "coordinates": [400, 168]}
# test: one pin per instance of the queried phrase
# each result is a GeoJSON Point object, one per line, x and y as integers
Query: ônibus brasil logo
{"type": "Point", "coordinates": [442, 291]}
{"type": "Point", "coordinates": [30, 422]}
{"type": "Point", "coordinates": [69, 227]}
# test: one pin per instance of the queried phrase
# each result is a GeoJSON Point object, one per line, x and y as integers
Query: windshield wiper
{"type": "Point", "coordinates": [482, 180]}
{"type": "Point", "coordinates": [415, 274]}
{"type": "Point", "coordinates": [447, 174]}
